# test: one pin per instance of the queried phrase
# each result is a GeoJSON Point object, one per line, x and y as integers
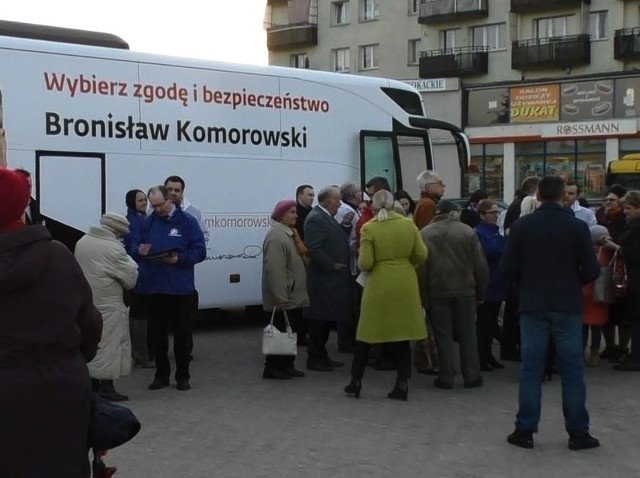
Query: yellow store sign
{"type": "Point", "coordinates": [535, 103]}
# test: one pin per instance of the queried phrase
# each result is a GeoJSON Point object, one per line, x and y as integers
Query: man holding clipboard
{"type": "Point", "coordinates": [171, 243]}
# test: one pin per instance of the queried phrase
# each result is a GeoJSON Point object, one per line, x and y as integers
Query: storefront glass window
{"type": "Point", "coordinates": [629, 146]}
{"type": "Point", "coordinates": [485, 170]}
{"type": "Point", "coordinates": [590, 167]}
{"type": "Point", "coordinates": [529, 161]}
{"type": "Point", "coordinates": [582, 161]}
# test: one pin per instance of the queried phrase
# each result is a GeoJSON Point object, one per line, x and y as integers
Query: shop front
{"type": "Point", "coordinates": [572, 129]}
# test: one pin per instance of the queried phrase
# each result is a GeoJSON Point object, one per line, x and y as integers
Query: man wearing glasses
{"type": "Point", "coordinates": [431, 189]}
{"type": "Point", "coordinates": [170, 243]}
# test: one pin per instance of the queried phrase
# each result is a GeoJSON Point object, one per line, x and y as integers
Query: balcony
{"type": "Point", "coordinates": [626, 44]}
{"type": "Point", "coordinates": [282, 37]}
{"type": "Point", "coordinates": [529, 6]}
{"type": "Point", "coordinates": [554, 52]}
{"type": "Point", "coordinates": [454, 62]}
{"type": "Point", "coordinates": [443, 11]}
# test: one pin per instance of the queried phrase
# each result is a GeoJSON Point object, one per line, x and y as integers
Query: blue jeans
{"type": "Point", "coordinates": [566, 331]}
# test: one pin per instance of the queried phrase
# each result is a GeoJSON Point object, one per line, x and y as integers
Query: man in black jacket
{"type": "Point", "coordinates": [510, 341]}
{"type": "Point", "coordinates": [304, 203]}
{"type": "Point", "coordinates": [550, 255]}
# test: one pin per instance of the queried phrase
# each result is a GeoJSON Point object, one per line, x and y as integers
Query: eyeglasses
{"type": "Point", "coordinates": [492, 212]}
{"type": "Point", "coordinates": [155, 207]}
{"type": "Point", "coordinates": [437, 182]}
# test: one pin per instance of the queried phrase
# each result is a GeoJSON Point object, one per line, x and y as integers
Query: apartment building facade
{"type": "Point", "coordinates": [541, 86]}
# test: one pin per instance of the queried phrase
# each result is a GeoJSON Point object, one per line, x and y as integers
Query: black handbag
{"type": "Point", "coordinates": [111, 425]}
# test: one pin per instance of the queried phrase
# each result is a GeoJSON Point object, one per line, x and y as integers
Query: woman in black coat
{"type": "Point", "coordinates": [629, 242]}
{"type": "Point", "coordinates": [49, 329]}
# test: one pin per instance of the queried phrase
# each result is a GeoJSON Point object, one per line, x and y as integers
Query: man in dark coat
{"type": "Point", "coordinates": [304, 202]}
{"type": "Point", "coordinates": [328, 277]}
{"type": "Point", "coordinates": [550, 254]}
{"type": "Point", "coordinates": [510, 340]}
{"type": "Point", "coordinates": [50, 329]}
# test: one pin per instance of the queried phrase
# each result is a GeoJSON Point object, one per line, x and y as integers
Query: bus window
{"type": "Point", "coordinates": [378, 157]}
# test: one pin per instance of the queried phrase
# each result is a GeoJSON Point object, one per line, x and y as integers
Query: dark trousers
{"type": "Point", "coordinates": [282, 362]}
{"type": "Point", "coordinates": [171, 312]}
{"type": "Point", "coordinates": [319, 331]}
{"type": "Point", "coordinates": [347, 328]}
{"type": "Point", "coordinates": [401, 354]}
{"type": "Point", "coordinates": [596, 336]}
{"type": "Point", "coordinates": [455, 315]}
{"type": "Point", "coordinates": [141, 347]}
{"type": "Point", "coordinates": [510, 343]}
{"type": "Point", "coordinates": [486, 326]}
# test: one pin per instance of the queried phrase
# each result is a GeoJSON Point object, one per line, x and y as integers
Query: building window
{"type": "Point", "coordinates": [414, 7]}
{"type": "Point", "coordinates": [340, 13]}
{"type": "Point", "coordinates": [494, 37]}
{"type": "Point", "coordinates": [369, 10]}
{"type": "Point", "coordinates": [368, 57]}
{"type": "Point", "coordinates": [413, 52]}
{"type": "Point", "coordinates": [299, 60]}
{"type": "Point", "coordinates": [598, 25]}
{"type": "Point", "coordinates": [552, 26]}
{"type": "Point", "coordinates": [449, 38]}
{"type": "Point", "coordinates": [340, 60]}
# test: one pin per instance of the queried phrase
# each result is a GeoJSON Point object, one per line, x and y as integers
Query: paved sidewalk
{"type": "Point", "coordinates": [235, 424]}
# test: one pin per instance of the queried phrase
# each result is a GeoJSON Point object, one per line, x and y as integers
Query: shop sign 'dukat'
{"type": "Point", "coordinates": [534, 104]}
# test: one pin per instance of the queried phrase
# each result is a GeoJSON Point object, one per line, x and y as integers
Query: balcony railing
{"type": "Point", "coordinates": [554, 52]}
{"type": "Point", "coordinates": [454, 62]}
{"type": "Point", "coordinates": [281, 37]}
{"type": "Point", "coordinates": [626, 44]}
{"type": "Point", "coordinates": [443, 11]}
{"type": "Point", "coordinates": [528, 6]}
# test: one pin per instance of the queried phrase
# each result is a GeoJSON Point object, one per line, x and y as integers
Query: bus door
{"type": "Point", "coordinates": [71, 192]}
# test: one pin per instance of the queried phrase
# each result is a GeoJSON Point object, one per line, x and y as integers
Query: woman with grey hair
{"type": "Point", "coordinates": [390, 250]}
{"type": "Point", "coordinates": [110, 271]}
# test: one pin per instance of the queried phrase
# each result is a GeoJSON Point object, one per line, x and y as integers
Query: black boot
{"type": "Point", "coordinates": [108, 392]}
{"type": "Point", "coordinates": [354, 387]}
{"type": "Point", "coordinates": [400, 391]}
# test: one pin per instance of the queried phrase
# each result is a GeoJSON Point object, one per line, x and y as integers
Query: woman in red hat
{"type": "Point", "coordinates": [49, 330]}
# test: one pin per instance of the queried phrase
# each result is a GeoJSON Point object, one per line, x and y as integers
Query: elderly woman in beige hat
{"type": "Point", "coordinates": [110, 271]}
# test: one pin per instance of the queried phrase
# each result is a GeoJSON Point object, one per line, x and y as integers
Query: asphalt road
{"type": "Point", "coordinates": [233, 423]}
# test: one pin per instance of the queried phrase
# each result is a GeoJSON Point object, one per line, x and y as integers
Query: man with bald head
{"type": "Point", "coordinates": [328, 277]}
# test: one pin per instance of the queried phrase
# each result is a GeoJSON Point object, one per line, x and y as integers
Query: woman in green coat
{"type": "Point", "coordinates": [390, 250]}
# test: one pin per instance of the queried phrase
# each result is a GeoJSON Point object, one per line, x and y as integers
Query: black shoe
{"type": "Point", "coordinates": [442, 384]}
{"type": "Point", "coordinates": [495, 364]}
{"type": "Point", "coordinates": [400, 392]}
{"type": "Point", "coordinates": [383, 365]}
{"type": "Point", "coordinates": [582, 441]}
{"type": "Point", "coordinates": [475, 384]}
{"type": "Point", "coordinates": [275, 374]}
{"type": "Point", "coordinates": [521, 438]}
{"type": "Point", "coordinates": [428, 371]}
{"type": "Point", "coordinates": [627, 366]}
{"type": "Point", "coordinates": [511, 357]}
{"type": "Point", "coordinates": [114, 396]}
{"type": "Point", "coordinates": [183, 384]}
{"type": "Point", "coordinates": [606, 353]}
{"type": "Point", "coordinates": [319, 366]}
{"type": "Point", "coordinates": [333, 363]}
{"type": "Point", "coordinates": [294, 372]}
{"type": "Point", "coordinates": [486, 367]}
{"type": "Point", "coordinates": [346, 349]}
{"type": "Point", "coordinates": [354, 387]}
{"type": "Point", "coordinates": [158, 383]}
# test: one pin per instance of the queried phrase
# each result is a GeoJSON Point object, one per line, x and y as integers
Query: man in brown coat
{"type": "Point", "coordinates": [431, 189]}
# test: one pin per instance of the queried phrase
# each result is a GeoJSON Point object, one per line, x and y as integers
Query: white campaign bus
{"type": "Point", "coordinates": [92, 121]}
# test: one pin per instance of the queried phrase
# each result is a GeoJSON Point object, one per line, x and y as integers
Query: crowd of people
{"type": "Point", "coordinates": [387, 272]}
{"type": "Point", "coordinates": [397, 272]}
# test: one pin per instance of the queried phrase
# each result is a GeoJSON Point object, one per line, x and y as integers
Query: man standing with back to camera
{"type": "Point", "coordinates": [550, 254]}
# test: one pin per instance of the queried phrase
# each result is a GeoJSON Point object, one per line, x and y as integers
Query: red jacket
{"type": "Point", "coordinates": [365, 217]}
{"type": "Point", "coordinates": [595, 313]}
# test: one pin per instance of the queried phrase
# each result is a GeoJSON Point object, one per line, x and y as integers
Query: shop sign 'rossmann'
{"type": "Point", "coordinates": [589, 128]}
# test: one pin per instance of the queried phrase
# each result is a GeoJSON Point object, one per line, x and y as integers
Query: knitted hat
{"type": "Point", "coordinates": [14, 191]}
{"type": "Point", "coordinates": [598, 233]}
{"type": "Point", "coordinates": [116, 222]}
{"type": "Point", "coordinates": [281, 208]}
{"type": "Point", "coordinates": [446, 207]}
{"type": "Point", "coordinates": [617, 190]}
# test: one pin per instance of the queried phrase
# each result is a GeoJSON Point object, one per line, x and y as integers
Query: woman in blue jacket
{"type": "Point", "coordinates": [493, 245]}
